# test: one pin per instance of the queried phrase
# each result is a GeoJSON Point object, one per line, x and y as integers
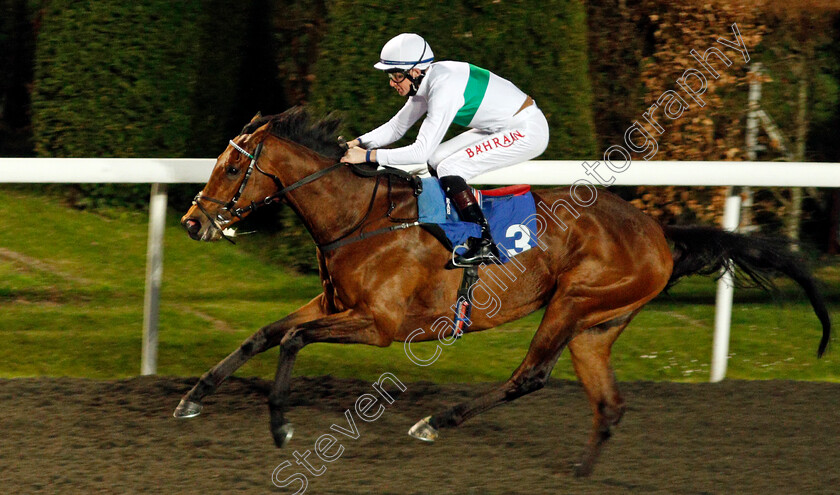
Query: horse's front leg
{"type": "Point", "coordinates": [348, 327]}
{"type": "Point", "coordinates": [267, 337]}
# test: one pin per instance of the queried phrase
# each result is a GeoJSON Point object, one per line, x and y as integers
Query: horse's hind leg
{"type": "Point", "coordinates": [590, 352]}
{"type": "Point", "coordinates": [556, 329]}
{"type": "Point", "coordinates": [265, 338]}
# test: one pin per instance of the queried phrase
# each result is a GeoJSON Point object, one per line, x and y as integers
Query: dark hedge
{"type": "Point", "coordinates": [151, 78]}
{"type": "Point", "coordinates": [116, 79]}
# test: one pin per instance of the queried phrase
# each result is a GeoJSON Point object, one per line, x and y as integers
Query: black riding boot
{"type": "Point", "coordinates": [479, 249]}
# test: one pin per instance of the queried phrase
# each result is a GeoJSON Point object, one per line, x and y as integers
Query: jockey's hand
{"type": "Point", "coordinates": [347, 145]}
{"type": "Point", "coordinates": [355, 155]}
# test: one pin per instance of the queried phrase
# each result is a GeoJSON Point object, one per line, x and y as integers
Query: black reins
{"type": "Point", "coordinates": [229, 206]}
{"type": "Point", "coordinates": [405, 222]}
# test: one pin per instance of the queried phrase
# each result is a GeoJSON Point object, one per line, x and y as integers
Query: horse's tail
{"type": "Point", "coordinates": [707, 250]}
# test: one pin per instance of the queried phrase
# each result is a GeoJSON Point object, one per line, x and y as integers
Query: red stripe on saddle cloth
{"type": "Point", "coordinates": [516, 190]}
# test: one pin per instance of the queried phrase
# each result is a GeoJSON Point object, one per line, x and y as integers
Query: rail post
{"type": "Point", "coordinates": [725, 290]}
{"type": "Point", "coordinates": [154, 278]}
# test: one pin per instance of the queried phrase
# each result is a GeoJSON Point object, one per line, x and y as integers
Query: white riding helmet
{"type": "Point", "coordinates": [405, 51]}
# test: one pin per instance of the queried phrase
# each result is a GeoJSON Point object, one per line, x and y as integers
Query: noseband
{"type": "Point", "coordinates": [230, 206]}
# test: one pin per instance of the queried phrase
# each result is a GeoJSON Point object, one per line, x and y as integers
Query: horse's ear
{"type": "Point", "coordinates": [256, 117]}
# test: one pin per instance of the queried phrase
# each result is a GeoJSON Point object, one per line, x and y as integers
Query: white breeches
{"type": "Point", "coordinates": [475, 152]}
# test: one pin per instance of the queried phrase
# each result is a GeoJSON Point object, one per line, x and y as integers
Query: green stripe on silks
{"type": "Point", "coordinates": [473, 94]}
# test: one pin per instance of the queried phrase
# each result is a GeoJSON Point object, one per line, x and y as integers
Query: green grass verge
{"type": "Point", "coordinates": [71, 304]}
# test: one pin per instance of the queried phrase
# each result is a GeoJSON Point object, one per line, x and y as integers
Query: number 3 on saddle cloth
{"type": "Point", "coordinates": [511, 214]}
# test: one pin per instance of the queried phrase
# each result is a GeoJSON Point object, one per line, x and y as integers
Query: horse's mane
{"type": "Point", "coordinates": [295, 124]}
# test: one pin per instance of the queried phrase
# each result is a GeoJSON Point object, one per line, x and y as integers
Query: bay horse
{"type": "Point", "coordinates": [592, 273]}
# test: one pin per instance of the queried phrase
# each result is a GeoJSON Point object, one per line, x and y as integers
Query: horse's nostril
{"type": "Point", "coordinates": [192, 226]}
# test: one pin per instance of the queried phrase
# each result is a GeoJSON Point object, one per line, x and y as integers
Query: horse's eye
{"type": "Point", "coordinates": [232, 170]}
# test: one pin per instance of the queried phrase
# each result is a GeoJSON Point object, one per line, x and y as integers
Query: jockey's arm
{"type": "Point", "coordinates": [395, 128]}
{"type": "Point", "coordinates": [441, 113]}
{"type": "Point", "coordinates": [441, 105]}
{"type": "Point", "coordinates": [431, 134]}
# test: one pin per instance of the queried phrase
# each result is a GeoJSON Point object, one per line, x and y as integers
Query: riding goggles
{"type": "Point", "coordinates": [397, 76]}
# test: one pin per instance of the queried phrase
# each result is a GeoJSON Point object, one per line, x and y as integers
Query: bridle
{"type": "Point", "coordinates": [230, 206]}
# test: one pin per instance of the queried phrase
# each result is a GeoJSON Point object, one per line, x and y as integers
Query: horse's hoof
{"type": "Point", "coordinates": [423, 430]}
{"type": "Point", "coordinates": [583, 469]}
{"type": "Point", "coordinates": [187, 409]}
{"type": "Point", "coordinates": [283, 434]}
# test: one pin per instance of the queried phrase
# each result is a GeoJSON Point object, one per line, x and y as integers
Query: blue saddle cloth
{"type": "Point", "coordinates": [512, 218]}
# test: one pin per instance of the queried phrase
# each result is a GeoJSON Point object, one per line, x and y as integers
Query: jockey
{"type": "Point", "coordinates": [506, 128]}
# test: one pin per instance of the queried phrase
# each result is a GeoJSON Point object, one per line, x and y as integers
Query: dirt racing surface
{"type": "Point", "coordinates": [81, 436]}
